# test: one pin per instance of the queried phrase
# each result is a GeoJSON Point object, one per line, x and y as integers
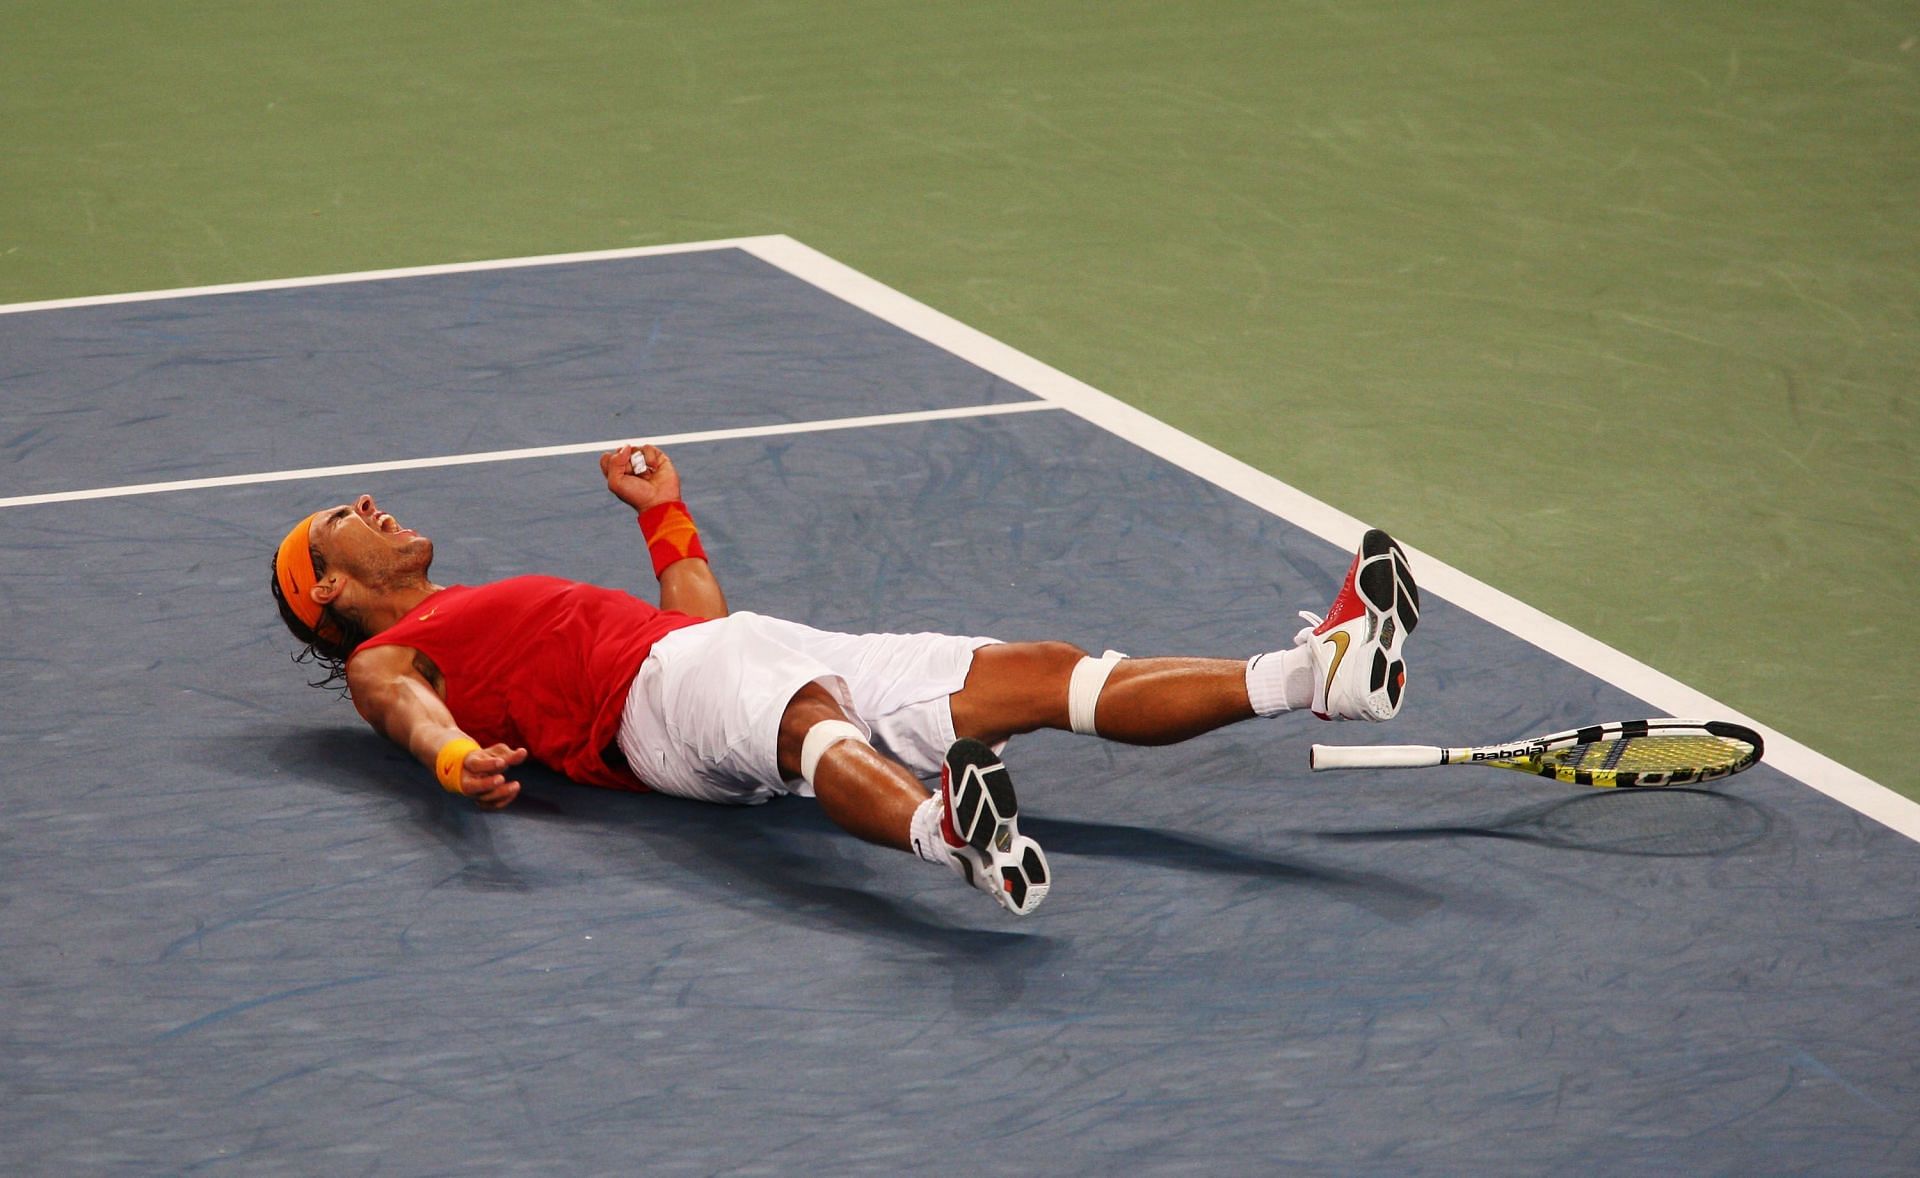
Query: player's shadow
{"type": "Point", "coordinates": [787, 859]}
{"type": "Point", "coordinates": [1389, 898]}
{"type": "Point", "coordinates": [353, 761]}
{"type": "Point", "coordinates": [1673, 822]}
{"type": "Point", "coordinates": [797, 866]}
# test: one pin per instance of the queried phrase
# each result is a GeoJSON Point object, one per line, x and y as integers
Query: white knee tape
{"type": "Point", "coordinates": [820, 738]}
{"type": "Point", "coordinates": [1083, 690]}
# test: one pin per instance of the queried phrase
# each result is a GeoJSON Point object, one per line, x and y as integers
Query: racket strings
{"type": "Point", "coordinates": [1654, 754]}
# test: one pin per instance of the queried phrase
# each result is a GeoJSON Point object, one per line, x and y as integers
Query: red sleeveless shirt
{"type": "Point", "coordinates": [538, 663]}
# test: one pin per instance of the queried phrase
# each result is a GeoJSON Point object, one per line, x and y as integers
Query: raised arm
{"type": "Point", "coordinates": [687, 582]}
{"type": "Point", "coordinates": [392, 694]}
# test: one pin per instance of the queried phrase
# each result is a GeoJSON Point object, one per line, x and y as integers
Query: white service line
{"type": "Point", "coordinates": [709, 435]}
{"type": "Point", "coordinates": [1059, 390]}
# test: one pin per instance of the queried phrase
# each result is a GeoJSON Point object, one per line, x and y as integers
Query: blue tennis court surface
{"type": "Point", "coordinates": [240, 933]}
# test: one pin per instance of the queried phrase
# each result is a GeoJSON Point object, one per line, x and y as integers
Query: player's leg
{"type": "Point", "coordinates": [970, 825]}
{"type": "Point", "coordinates": [864, 792]}
{"type": "Point", "coordinates": [1349, 665]}
{"type": "Point", "coordinates": [1021, 687]}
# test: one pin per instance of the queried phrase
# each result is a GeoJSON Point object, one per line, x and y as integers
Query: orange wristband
{"type": "Point", "coordinates": [670, 535]}
{"type": "Point", "coordinates": [451, 762]}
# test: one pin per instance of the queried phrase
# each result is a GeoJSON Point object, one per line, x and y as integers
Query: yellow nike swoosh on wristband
{"type": "Point", "coordinates": [1339, 639]}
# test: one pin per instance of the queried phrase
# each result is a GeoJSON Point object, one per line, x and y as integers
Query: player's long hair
{"type": "Point", "coordinates": [330, 657]}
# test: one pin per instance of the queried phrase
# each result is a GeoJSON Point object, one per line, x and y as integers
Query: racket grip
{"type": "Point", "coordinates": [1375, 756]}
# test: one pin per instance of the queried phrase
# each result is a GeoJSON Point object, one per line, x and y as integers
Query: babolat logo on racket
{"type": "Point", "coordinates": [1512, 752]}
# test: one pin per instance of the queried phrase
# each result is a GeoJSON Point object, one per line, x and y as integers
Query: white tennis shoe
{"type": "Point", "coordinates": [978, 823]}
{"type": "Point", "coordinates": [1359, 669]}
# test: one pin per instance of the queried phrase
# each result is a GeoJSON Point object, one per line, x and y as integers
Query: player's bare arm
{"type": "Point", "coordinates": [393, 696]}
{"type": "Point", "coordinates": [687, 583]}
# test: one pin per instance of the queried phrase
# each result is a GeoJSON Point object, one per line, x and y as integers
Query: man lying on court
{"type": "Point", "coordinates": [689, 699]}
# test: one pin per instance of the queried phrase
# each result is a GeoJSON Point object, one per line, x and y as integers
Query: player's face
{"type": "Point", "coordinates": [367, 543]}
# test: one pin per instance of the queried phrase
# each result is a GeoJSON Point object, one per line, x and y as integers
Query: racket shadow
{"type": "Point", "coordinates": [1658, 823]}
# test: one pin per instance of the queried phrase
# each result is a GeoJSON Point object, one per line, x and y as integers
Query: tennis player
{"type": "Point", "coordinates": [690, 699]}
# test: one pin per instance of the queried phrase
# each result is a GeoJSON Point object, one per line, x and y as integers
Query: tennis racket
{"type": "Point", "coordinates": [1637, 753]}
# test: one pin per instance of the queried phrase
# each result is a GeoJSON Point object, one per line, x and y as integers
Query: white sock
{"type": "Point", "coordinates": [924, 832]}
{"type": "Point", "coordinates": [1280, 680]}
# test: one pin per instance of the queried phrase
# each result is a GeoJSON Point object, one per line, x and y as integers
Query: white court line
{"type": "Point", "coordinates": [1815, 769]}
{"type": "Point", "coordinates": [145, 296]}
{"type": "Point", "coordinates": [709, 435]}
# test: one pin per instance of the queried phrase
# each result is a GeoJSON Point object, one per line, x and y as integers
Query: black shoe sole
{"type": "Point", "coordinates": [984, 805]}
{"type": "Point", "coordinates": [1389, 590]}
{"type": "Point", "coordinates": [984, 813]}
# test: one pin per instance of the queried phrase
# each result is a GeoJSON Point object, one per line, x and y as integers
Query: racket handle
{"type": "Point", "coordinates": [1376, 756]}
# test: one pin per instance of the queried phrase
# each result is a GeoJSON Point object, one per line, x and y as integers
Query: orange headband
{"type": "Point", "coordinates": [293, 564]}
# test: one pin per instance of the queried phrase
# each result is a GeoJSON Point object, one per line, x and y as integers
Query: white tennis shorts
{"type": "Point", "coordinates": [703, 717]}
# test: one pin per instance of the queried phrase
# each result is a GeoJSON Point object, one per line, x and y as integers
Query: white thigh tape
{"type": "Point", "coordinates": [820, 738]}
{"type": "Point", "coordinates": [1083, 690]}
